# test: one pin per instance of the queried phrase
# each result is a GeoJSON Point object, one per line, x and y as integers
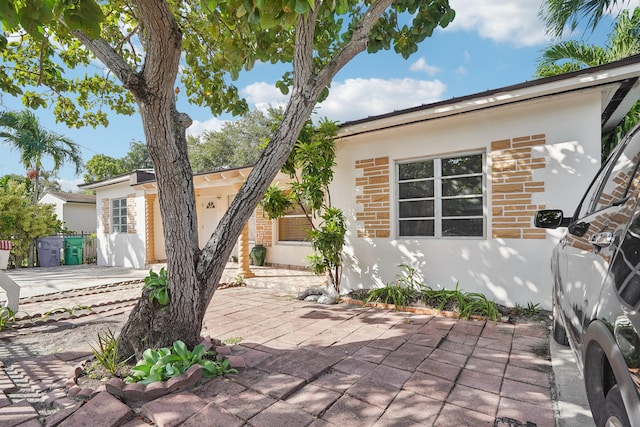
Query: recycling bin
{"type": "Point", "coordinates": [73, 250]}
{"type": "Point", "coordinates": [49, 249]}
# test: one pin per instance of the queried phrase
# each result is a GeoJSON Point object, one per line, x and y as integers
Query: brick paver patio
{"type": "Point", "coordinates": [340, 365]}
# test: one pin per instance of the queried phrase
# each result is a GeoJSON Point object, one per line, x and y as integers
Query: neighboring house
{"type": "Point", "coordinates": [130, 227]}
{"type": "Point", "coordinates": [76, 211]}
{"type": "Point", "coordinates": [449, 188]}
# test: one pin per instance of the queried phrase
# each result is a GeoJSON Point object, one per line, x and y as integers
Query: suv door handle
{"type": "Point", "coordinates": [601, 240]}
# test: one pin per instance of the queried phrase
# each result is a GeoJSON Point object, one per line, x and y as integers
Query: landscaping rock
{"type": "Point", "coordinates": [327, 299]}
{"type": "Point", "coordinates": [317, 290]}
{"type": "Point", "coordinates": [319, 294]}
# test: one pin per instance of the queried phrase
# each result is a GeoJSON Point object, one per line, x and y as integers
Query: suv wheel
{"type": "Point", "coordinates": [616, 413]}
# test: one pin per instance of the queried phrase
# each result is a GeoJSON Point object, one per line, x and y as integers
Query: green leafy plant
{"type": "Point", "coordinates": [327, 242]}
{"type": "Point", "coordinates": [167, 362]}
{"type": "Point", "coordinates": [465, 303]}
{"type": "Point", "coordinates": [399, 295]}
{"type": "Point", "coordinates": [107, 352]}
{"type": "Point", "coordinates": [7, 317]}
{"type": "Point", "coordinates": [409, 277]}
{"type": "Point", "coordinates": [157, 285]}
{"type": "Point", "coordinates": [530, 310]}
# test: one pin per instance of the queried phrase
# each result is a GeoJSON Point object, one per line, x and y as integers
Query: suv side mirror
{"type": "Point", "coordinates": [550, 218]}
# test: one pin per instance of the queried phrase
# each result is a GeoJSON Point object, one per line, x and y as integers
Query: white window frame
{"type": "Point", "coordinates": [437, 197]}
{"type": "Point", "coordinates": [122, 204]}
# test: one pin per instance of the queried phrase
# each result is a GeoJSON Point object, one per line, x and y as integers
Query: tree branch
{"type": "Point", "coordinates": [357, 44]}
{"type": "Point", "coordinates": [130, 79]}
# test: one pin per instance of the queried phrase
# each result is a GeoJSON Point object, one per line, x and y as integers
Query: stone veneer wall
{"type": "Point", "coordinates": [513, 187]}
{"type": "Point", "coordinates": [264, 228]}
{"type": "Point", "coordinates": [372, 181]}
{"type": "Point", "coordinates": [106, 215]}
{"type": "Point", "coordinates": [131, 213]}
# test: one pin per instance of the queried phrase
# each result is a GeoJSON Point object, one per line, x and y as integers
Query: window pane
{"type": "Point", "coordinates": [116, 220]}
{"type": "Point", "coordinates": [416, 189]}
{"type": "Point", "coordinates": [462, 227]}
{"type": "Point", "coordinates": [462, 186]}
{"type": "Point", "coordinates": [415, 170]}
{"type": "Point", "coordinates": [293, 229]}
{"type": "Point", "coordinates": [462, 207]}
{"type": "Point", "coordinates": [417, 227]}
{"type": "Point", "coordinates": [462, 165]}
{"type": "Point", "coordinates": [423, 208]}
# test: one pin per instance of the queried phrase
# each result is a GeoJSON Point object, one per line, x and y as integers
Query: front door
{"type": "Point", "coordinates": [209, 219]}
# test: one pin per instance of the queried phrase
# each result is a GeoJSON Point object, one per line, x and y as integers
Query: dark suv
{"type": "Point", "coordinates": [596, 294]}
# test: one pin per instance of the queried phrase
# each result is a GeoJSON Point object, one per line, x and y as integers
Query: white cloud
{"type": "Point", "coordinates": [630, 4]}
{"type": "Point", "coordinates": [70, 184]}
{"type": "Point", "coordinates": [262, 95]}
{"type": "Point", "coordinates": [421, 65]}
{"type": "Point", "coordinates": [514, 22]}
{"type": "Point", "coordinates": [197, 128]}
{"type": "Point", "coordinates": [359, 98]}
{"type": "Point", "coordinates": [461, 71]}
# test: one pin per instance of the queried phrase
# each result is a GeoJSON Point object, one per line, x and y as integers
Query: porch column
{"type": "Point", "coordinates": [243, 248]}
{"type": "Point", "coordinates": [243, 254]}
{"type": "Point", "coordinates": [149, 228]}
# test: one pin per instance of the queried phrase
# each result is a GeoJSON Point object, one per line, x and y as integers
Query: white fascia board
{"type": "Point", "coordinates": [517, 93]}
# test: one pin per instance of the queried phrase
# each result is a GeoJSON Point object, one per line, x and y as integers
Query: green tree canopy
{"type": "Point", "coordinates": [21, 221]}
{"type": "Point", "coordinates": [573, 55]}
{"type": "Point", "coordinates": [25, 134]}
{"type": "Point", "coordinates": [101, 166]}
{"type": "Point", "coordinates": [557, 14]}
{"type": "Point", "coordinates": [237, 143]}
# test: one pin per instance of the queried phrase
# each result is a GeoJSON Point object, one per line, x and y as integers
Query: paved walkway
{"type": "Point", "coordinates": [315, 365]}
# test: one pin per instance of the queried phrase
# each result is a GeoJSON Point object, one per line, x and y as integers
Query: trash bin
{"type": "Point", "coordinates": [49, 250]}
{"type": "Point", "coordinates": [5, 249]}
{"type": "Point", "coordinates": [257, 255]}
{"type": "Point", "coordinates": [73, 250]}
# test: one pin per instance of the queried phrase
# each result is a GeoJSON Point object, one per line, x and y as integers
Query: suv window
{"type": "Point", "coordinates": [612, 183]}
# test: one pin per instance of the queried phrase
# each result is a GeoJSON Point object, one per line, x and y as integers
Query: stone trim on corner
{"type": "Point", "coordinates": [131, 213]}
{"type": "Point", "coordinates": [264, 228]}
{"type": "Point", "coordinates": [513, 187]}
{"type": "Point", "coordinates": [106, 215]}
{"type": "Point", "coordinates": [372, 186]}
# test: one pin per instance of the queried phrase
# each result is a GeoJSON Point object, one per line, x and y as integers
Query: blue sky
{"type": "Point", "coordinates": [490, 44]}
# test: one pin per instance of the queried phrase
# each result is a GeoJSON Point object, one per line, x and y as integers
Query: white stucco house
{"type": "Point", "coordinates": [76, 211]}
{"type": "Point", "coordinates": [449, 187]}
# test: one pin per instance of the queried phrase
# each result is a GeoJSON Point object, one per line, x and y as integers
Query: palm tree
{"type": "Point", "coordinates": [24, 133]}
{"type": "Point", "coordinates": [624, 41]}
{"type": "Point", "coordinates": [557, 13]}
